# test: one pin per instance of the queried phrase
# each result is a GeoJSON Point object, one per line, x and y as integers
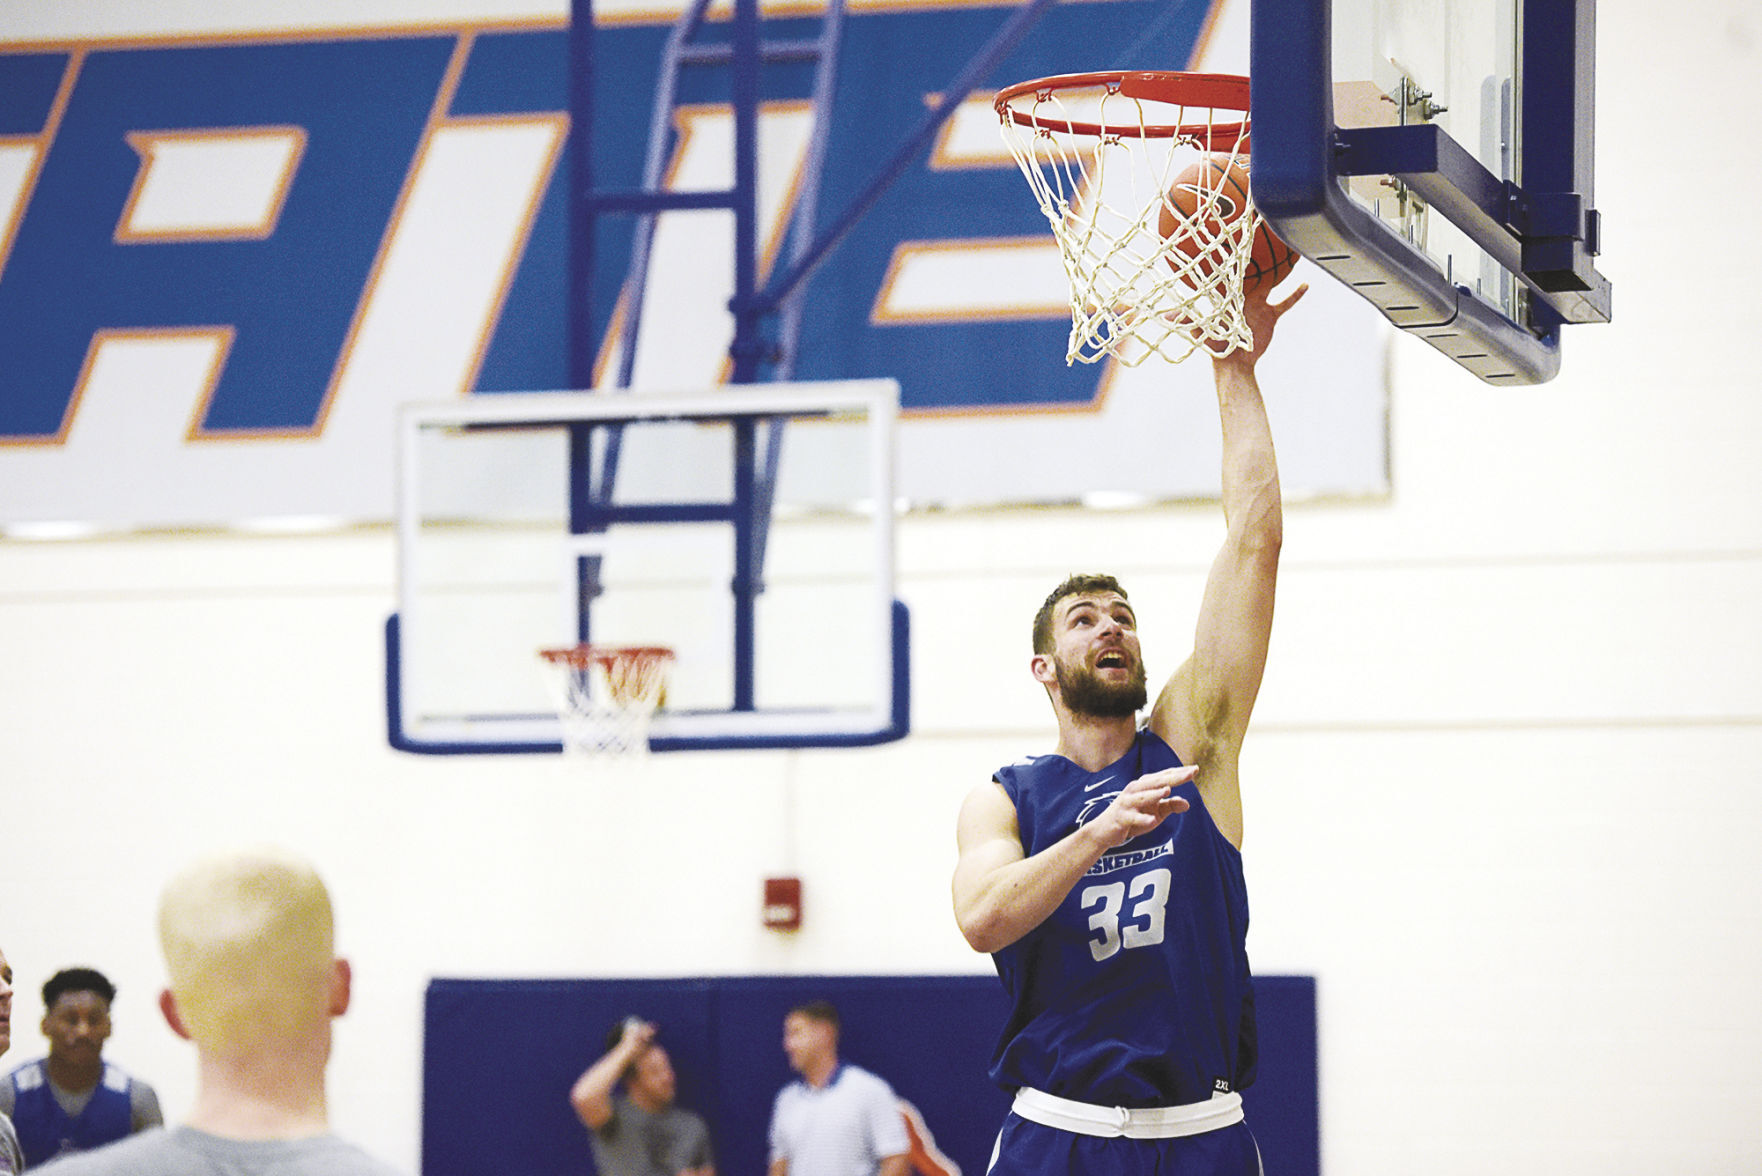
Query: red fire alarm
{"type": "Point", "coordinates": [783, 904]}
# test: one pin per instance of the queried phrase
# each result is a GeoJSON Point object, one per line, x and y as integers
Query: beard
{"type": "Point", "coordinates": [1086, 694]}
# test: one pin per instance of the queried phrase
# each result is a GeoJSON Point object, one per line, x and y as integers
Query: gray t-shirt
{"type": "Point", "coordinates": [184, 1151]}
{"type": "Point", "coordinates": [11, 1157]}
{"type": "Point", "coordinates": [635, 1142]}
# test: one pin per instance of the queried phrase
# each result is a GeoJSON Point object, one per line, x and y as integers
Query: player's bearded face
{"type": "Point", "coordinates": [1087, 692]}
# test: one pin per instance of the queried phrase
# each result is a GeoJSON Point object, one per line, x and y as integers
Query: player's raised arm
{"type": "Point", "coordinates": [1203, 710]}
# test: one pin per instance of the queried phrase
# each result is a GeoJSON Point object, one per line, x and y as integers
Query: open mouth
{"type": "Point", "coordinates": [1112, 660]}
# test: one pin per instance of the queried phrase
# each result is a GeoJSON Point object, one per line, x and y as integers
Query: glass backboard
{"type": "Point", "coordinates": [1435, 156]}
{"type": "Point", "coordinates": [748, 530]}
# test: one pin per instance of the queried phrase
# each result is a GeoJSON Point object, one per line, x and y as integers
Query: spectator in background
{"type": "Point", "coordinates": [639, 1132]}
{"type": "Point", "coordinates": [249, 949]}
{"type": "Point", "coordinates": [73, 1100]}
{"type": "Point", "coordinates": [838, 1119]}
{"type": "Point", "coordinates": [11, 1158]}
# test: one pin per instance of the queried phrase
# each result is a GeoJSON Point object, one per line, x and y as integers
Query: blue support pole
{"type": "Point", "coordinates": [748, 348]}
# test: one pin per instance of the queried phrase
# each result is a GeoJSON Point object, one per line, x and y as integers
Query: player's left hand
{"type": "Point", "coordinates": [1262, 315]}
{"type": "Point", "coordinates": [1144, 804]}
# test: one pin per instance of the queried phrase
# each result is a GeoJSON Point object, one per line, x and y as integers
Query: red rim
{"type": "Point", "coordinates": [1217, 91]}
{"type": "Point", "coordinates": [581, 656]}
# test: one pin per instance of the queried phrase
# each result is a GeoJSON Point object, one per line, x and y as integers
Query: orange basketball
{"type": "Point", "coordinates": [1214, 191]}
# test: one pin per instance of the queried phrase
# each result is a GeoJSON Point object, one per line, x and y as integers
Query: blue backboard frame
{"type": "Point", "coordinates": [1545, 232]}
{"type": "Point", "coordinates": [885, 715]}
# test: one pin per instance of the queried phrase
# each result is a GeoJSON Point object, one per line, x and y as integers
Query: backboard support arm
{"type": "Point", "coordinates": [1542, 229]}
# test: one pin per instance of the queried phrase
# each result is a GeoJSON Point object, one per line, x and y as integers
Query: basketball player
{"type": "Point", "coordinates": [254, 984]}
{"type": "Point", "coordinates": [1106, 878]}
{"type": "Point", "coordinates": [74, 1100]}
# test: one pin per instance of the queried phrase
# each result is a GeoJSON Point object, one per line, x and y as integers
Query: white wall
{"type": "Point", "coordinates": [1501, 792]}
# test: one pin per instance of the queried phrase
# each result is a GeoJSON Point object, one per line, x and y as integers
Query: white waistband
{"type": "Point", "coordinates": [1128, 1122]}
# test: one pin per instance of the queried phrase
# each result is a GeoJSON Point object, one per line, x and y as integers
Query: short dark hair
{"type": "Point", "coordinates": [818, 1010]}
{"type": "Point", "coordinates": [77, 980]}
{"type": "Point", "coordinates": [1079, 584]}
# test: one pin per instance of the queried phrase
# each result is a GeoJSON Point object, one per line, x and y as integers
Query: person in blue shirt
{"type": "Point", "coordinates": [73, 1100]}
{"type": "Point", "coordinates": [1106, 877]}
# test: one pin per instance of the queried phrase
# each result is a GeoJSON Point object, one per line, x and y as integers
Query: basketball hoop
{"type": "Point", "coordinates": [1101, 152]}
{"type": "Point", "coordinates": [606, 695]}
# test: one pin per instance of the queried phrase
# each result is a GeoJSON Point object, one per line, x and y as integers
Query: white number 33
{"type": "Point", "coordinates": [1143, 923]}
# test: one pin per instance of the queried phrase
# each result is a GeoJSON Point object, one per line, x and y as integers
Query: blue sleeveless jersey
{"type": "Point", "coordinates": [1136, 991]}
{"type": "Point", "coordinates": [45, 1130]}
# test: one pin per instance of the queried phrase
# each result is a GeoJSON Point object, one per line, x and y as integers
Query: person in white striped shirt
{"type": "Point", "coordinates": [836, 1119]}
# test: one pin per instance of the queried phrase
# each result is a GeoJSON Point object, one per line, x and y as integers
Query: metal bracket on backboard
{"type": "Point", "coordinates": [1504, 220]}
{"type": "Point", "coordinates": [1301, 160]}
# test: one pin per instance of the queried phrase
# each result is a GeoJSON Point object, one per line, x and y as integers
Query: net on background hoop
{"type": "Point", "coordinates": [1101, 152]}
{"type": "Point", "coordinates": [606, 696]}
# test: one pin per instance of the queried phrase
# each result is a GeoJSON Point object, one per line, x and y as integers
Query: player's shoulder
{"type": "Point", "coordinates": [352, 1160]}
{"type": "Point", "coordinates": [866, 1081]}
{"type": "Point", "coordinates": [686, 1118]}
{"type": "Point", "coordinates": [1031, 769]}
{"type": "Point", "coordinates": [142, 1152]}
{"type": "Point", "coordinates": [26, 1074]}
{"type": "Point", "coordinates": [176, 1149]}
{"type": "Point", "coordinates": [1157, 746]}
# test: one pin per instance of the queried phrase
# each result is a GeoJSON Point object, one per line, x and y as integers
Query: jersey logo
{"type": "Point", "coordinates": [1094, 806]}
{"type": "Point", "coordinates": [1098, 784]}
{"type": "Point", "coordinates": [1112, 863]}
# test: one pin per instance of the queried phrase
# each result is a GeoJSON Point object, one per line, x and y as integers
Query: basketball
{"type": "Point", "coordinates": [1217, 189]}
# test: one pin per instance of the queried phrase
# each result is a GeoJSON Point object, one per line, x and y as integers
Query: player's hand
{"type": "Point", "coordinates": [638, 1034]}
{"type": "Point", "coordinates": [1142, 805]}
{"type": "Point", "coordinates": [1262, 315]}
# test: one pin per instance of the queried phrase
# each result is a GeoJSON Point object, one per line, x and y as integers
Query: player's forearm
{"type": "Point", "coordinates": [1012, 900]}
{"type": "Point", "coordinates": [1251, 497]}
{"type": "Point", "coordinates": [591, 1095]}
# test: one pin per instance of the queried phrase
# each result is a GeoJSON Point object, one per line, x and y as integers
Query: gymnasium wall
{"type": "Point", "coordinates": [496, 1052]}
{"type": "Point", "coordinates": [1501, 789]}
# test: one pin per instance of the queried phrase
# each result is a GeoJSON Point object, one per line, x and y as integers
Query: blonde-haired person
{"type": "Point", "coordinates": [253, 983]}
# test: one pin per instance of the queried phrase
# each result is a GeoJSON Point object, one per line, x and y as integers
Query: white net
{"type": "Point", "coordinates": [1146, 276]}
{"type": "Point", "coordinates": [606, 697]}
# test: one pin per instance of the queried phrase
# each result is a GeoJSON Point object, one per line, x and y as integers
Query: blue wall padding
{"type": "Point", "coordinates": [500, 1056]}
